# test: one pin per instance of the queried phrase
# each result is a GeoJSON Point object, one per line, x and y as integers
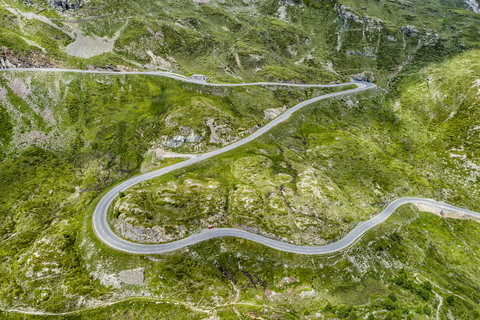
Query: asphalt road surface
{"type": "Point", "coordinates": [176, 76]}
{"type": "Point", "coordinates": [106, 235]}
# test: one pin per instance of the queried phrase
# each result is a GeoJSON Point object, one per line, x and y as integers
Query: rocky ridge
{"type": "Point", "coordinates": [271, 114]}
{"type": "Point", "coordinates": [410, 30]}
{"type": "Point", "coordinates": [64, 5]}
{"type": "Point", "coordinates": [346, 15]}
{"type": "Point", "coordinates": [155, 234]}
{"type": "Point", "coordinates": [10, 60]}
{"type": "Point", "coordinates": [366, 76]}
{"type": "Point", "coordinates": [179, 140]}
{"type": "Point", "coordinates": [473, 5]}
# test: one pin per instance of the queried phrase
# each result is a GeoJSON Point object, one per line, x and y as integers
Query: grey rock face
{"type": "Point", "coordinates": [345, 15]}
{"type": "Point", "coordinates": [63, 5]}
{"type": "Point", "coordinates": [474, 6]}
{"type": "Point", "coordinates": [220, 133]}
{"type": "Point", "coordinates": [193, 137]}
{"type": "Point", "coordinates": [10, 60]}
{"type": "Point", "coordinates": [409, 30]}
{"type": "Point", "coordinates": [156, 234]}
{"type": "Point", "coordinates": [135, 276]}
{"type": "Point", "coordinates": [366, 76]}
{"type": "Point", "coordinates": [179, 140]}
{"type": "Point", "coordinates": [373, 23]}
{"type": "Point", "coordinates": [5, 64]}
{"type": "Point", "coordinates": [9, 65]}
{"type": "Point", "coordinates": [176, 141]}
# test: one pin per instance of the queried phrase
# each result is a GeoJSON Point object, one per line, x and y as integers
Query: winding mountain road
{"type": "Point", "coordinates": [106, 235]}
{"type": "Point", "coordinates": [104, 232]}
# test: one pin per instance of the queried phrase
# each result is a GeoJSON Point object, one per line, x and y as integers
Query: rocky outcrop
{"type": "Point", "coordinates": [63, 5]}
{"type": "Point", "coordinates": [409, 30]}
{"type": "Point", "coordinates": [249, 131]}
{"type": "Point", "coordinates": [184, 137]}
{"type": "Point", "coordinates": [473, 5]}
{"type": "Point", "coordinates": [366, 76]}
{"type": "Point", "coordinates": [135, 276]}
{"type": "Point", "coordinates": [10, 60]}
{"type": "Point", "coordinates": [292, 3]}
{"type": "Point", "coordinates": [141, 234]}
{"type": "Point", "coordinates": [28, 2]}
{"type": "Point", "coordinates": [220, 133]}
{"type": "Point", "coordinates": [159, 62]}
{"type": "Point", "coordinates": [176, 141]}
{"type": "Point", "coordinates": [373, 23]}
{"type": "Point", "coordinates": [367, 53]}
{"type": "Point", "coordinates": [345, 15]}
{"type": "Point", "coordinates": [271, 114]}
{"type": "Point", "coordinates": [193, 137]}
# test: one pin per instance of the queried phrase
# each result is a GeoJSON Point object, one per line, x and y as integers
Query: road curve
{"type": "Point", "coordinates": [105, 234]}
{"type": "Point", "coordinates": [111, 239]}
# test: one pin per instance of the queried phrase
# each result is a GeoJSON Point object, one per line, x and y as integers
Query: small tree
{"type": "Point", "coordinates": [393, 296]}
{"type": "Point", "coordinates": [427, 310]}
{"type": "Point", "coordinates": [450, 300]}
{"type": "Point", "coordinates": [328, 307]}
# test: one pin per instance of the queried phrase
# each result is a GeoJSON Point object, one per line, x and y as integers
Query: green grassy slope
{"type": "Point", "coordinates": [65, 138]}
{"type": "Point", "coordinates": [60, 148]}
{"type": "Point", "coordinates": [89, 114]}
{"type": "Point", "coordinates": [51, 260]}
{"type": "Point", "coordinates": [316, 41]}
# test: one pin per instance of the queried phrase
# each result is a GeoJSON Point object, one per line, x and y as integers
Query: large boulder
{"type": "Point", "coordinates": [176, 141]}
{"type": "Point", "coordinates": [409, 30]}
{"type": "Point", "coordinates": [193, 137]}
